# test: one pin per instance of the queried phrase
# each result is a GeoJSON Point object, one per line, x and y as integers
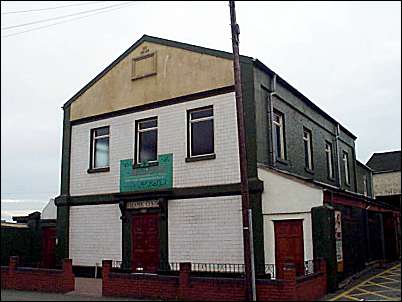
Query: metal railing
{"type": "Point", "coordinates": [270, 271]}
{"type": "Point", "coordinates": [217, 267]}
{"type": "Point", "coordinates": [310, 267]}
{"type": "Point", "coordinates": [267, 271]}
{"type": "Point", "coordinates": [117, 264]}
{"type": "Point", "coordinates": [205, 267]}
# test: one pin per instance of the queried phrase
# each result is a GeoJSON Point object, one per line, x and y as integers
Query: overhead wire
{"type": "Point", "coordinates": [50, 8]}
{"type": "Point", "coordinates": [64, 21]}
{"type": "Point", "coordinates": [61, 17]}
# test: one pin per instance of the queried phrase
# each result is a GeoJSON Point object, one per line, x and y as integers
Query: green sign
{"type": "Point", "coordinates": [147, 177]}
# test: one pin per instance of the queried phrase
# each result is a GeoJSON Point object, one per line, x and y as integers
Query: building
{"type": "Point", "coordinates": [386, 168]}
{"type": "Point", "coordinates": [31, 237]}
{"type": "Point", "coordinates": [150, 166]}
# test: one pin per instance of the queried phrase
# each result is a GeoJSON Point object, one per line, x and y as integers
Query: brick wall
{"type": "Point", "coordinates": [191, 288]}
{"type": "Point", "coordinates": [95, 234]}
{"type": "Point", "coordinates": [33, 279]}
{"type": "Point", "coordinates": [205, 230]}
{"type": "Point", "coordinates": [172, 138]}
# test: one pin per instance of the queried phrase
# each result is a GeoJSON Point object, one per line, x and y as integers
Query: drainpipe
{"type": "Point", "coordinates": [271, 120]}
{"type": "Point", "coordinates": [368, 249]}
{"type": "Point", "coordinates": [338, 130]}
{"type": "Point", "coordinates": [354, 167]}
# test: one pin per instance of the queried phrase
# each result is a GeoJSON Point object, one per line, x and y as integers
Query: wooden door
{"type": "Point", "coordinates": [48, 247]}
{"type": "Point", "coordinates": [289, 247]}
{"type": "Point", "coordinates": [145, 242]}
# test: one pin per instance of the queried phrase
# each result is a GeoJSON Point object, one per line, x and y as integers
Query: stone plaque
{"type": "Point", "coordinates": [143, 204]}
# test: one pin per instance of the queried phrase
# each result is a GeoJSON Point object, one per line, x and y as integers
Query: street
{"type": "Point", "coordinates": [384, 285]}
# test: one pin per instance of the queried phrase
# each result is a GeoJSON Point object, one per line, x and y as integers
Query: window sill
{"type": "Point", "coordinates": [98, 170]}
{"type": "Point", "coordinates": [282, 161]}
{"type": "Point", "coordinates": [201, 157]}
{"type": "Point", "coordinates": [149, 164]}
{"type": "Point", "coordinates": [309, 171]}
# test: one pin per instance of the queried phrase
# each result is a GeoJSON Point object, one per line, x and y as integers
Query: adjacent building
{"type": "Point", "coordinates": [386, 168]}
{"type": "Point", "coordinates": [150, 167]}
{"type": "Point", "coordinates": [31, 237]}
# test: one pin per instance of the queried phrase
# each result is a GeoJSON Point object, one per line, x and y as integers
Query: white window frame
{"type": "Point", "coordinates": [281, 134]}
{"type": "Point", "coordinates": [365, 187]}
{"type": "Point", "coordinates": [137, 143]}
{"type": "Point", "coordinates": [345, 158]}
{"type": "Point", "coordinates": [191, 121]}
{"type": "Point", "coordinates": [94, 138]}
{"type": "Point", "coordinates": [328, 151]}
{"type": "Point", "coordinates": [309, 148]}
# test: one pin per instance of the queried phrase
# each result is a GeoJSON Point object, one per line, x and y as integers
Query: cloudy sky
{"type": "Point", "coordinates": [346, 57]}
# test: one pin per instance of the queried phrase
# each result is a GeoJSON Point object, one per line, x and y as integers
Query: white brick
{"type": "Point", "coordinates": [172, 127]}
{"type": "Point", "coordinates": [95, 234]}
{"type": "Point", "coordinates": [205, 230]}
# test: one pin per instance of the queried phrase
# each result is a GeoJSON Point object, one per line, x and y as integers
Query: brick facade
{"type": "Point", "coordinates": [33, 279]}
{"type": "Point", "coordinates": [190, 288]}
{"type": "Point", "coordinates": [172, 138]}
{"type": "Point", "coordinates": [195, 225]}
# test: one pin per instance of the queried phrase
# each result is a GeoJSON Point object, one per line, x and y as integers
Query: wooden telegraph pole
{"type": "Point", "coordinates": [244, 188]}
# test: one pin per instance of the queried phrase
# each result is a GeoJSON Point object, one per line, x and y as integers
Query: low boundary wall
{"type": "Point", "coordinates": [192, 288]}
{"type": "Point", "coordinates": [37, 279]}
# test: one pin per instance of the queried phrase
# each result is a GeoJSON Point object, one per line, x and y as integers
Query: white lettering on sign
{"type": "Point", "coordinates": [338, 236]}
{"type": "Point", "coordinates": [142, 204]}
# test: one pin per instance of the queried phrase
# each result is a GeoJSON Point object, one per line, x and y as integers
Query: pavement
{"type": "Point", "coordinates": [378, 285]}
{"type": "Point", "coordinates": [14, 295]}
{"type": "Point", "coordinates": [86, 289]}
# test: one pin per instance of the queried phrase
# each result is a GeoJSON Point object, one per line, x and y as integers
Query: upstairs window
{"type": "Point", "coordinates": [365, 185]}
{"type": "Point", "coordinates": [345, 158]}
{"type": "Point", "coordinates": [279, 135]}
{"type": "Point", "coordinates": [200, 129]}
{"type": "Point", "coordinates": [330, 167]}
{"type": "Point", "coordinates": [100, 148]}
{"type": "Point", "coordinates": [146, 140]}
{"type": "Point", "coordinates": [308, 152]}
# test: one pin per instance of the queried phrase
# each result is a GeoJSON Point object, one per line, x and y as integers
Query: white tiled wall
{"type": "Point", "coordinates": [172, 130]}
{"type": "Point", "coordinates": [205, 230]}
{"type": "Point", "coordinates": [95, 234]}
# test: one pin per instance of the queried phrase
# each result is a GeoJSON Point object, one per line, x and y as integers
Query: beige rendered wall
{"type": "Point", "coordinates": [178, 72]}
{"type": "Point", "coordinates": [387, 183]}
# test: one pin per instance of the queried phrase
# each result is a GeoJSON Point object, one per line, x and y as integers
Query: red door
{"type": "Point", "coordinates": [145, 242]}
{"type": "Point", "coordinates": [48, 247]}
{"type": "Point", "coordinates": [289, 246]}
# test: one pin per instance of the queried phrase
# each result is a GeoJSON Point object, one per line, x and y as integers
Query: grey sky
{"type": "Point", "coordinates": [346, 57]}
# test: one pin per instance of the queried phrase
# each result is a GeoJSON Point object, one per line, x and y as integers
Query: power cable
{"type": "Point", "coordinates": [64, 21]}
{"type": "Point", "coordinates": [49, 8]}
{"type": "Point", "coordinates": [61, 17]}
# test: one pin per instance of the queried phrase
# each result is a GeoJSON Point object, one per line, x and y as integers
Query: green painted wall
{"type": "Point", "coordinates": [323, 225]}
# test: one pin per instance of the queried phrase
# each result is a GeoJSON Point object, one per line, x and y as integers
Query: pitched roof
{"type": "Point", "coordinates": [211, 52]}
{"type": "Point", "coordinates": [385, 161]}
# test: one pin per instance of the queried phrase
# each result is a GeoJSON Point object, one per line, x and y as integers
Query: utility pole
{"type": "Point", "coordinates": [244, 188]}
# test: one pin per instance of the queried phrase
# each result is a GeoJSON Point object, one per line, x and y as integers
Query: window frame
{"type": "Point", "coordinates": [93, 138]}
{"type": "Point", "coordinates": [346, 167]}
{"type": "Point", "coordinates": [309, 140]}
{"type": "Point", "coordinates": [282, 137]}
{"type": "Point", "coordinates": [365, 185]}
{"type": "Point", "coordinates": [329, 155]}
{"type": "Point", "coordinates": [190, 156]}
{"type": "Point", "coordinates": [137, 139]}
